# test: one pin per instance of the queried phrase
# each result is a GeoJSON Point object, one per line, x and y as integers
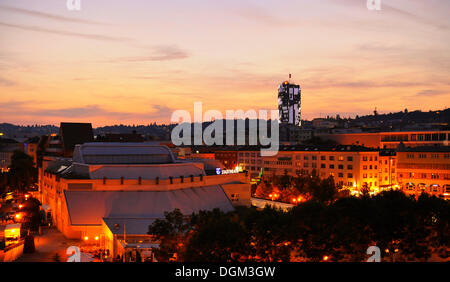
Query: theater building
{"type": "Point", "coordinates": [107, 186]}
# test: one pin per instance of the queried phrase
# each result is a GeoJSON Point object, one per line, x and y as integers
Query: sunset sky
{"type": "Point", "coordinates": [135, 62]}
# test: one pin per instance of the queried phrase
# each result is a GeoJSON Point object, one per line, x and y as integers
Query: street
{"type": "Point", "coordinates": [50, 243]}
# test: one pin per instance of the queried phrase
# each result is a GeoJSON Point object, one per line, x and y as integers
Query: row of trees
{"type": "Point", "coordinates": [22, 173]}
{"type": "Point", "coordinates": [306, 186]}
{"type": "Point", "coordinates": [405, 229]}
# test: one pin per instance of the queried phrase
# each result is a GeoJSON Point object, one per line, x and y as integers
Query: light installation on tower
{"type": "Point", "coordinates": [289, 103]}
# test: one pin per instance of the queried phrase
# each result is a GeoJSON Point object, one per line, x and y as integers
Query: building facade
{"type": "Point", "coordinates": [126, 183]}
{"type": "Point", "coordinates": [350, 166]}
{"type": "Point", "coordinates": [289, 103]}
{"type": "Point", "coordinates": [228, 158]}
{"type": "Point", "coordinates": [391, 140]}
{"type": "Point", "coordinates": [424, 169]}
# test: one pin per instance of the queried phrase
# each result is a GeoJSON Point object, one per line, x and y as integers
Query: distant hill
{"type": "Point", "coordinates": [402, 120]}
{"type": "Point", "coordinates": [18, 131]}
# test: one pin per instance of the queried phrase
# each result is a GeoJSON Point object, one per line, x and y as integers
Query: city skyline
{"type": "Point", "coordinates": [135, 63]}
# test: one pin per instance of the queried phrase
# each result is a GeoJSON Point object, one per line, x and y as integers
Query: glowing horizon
{"type": "Point", "coordinates": [135, 62]}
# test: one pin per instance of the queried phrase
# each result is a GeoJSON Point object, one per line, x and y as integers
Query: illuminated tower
{"type": "Point", "coordinates": [289, 100]}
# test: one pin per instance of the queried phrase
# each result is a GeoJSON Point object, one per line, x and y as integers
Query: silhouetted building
{"type": "Point", "coordinates": [70, 134]}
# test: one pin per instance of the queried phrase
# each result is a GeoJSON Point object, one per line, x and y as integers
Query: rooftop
{"type": "Point", "coordinates": [122, 153]}
{"type": "Point", "coordinates": [75, 133]}
{"type": "Point", "coordinates": [90, 207]}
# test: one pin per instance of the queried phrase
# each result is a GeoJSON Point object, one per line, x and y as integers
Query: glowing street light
{"type": "Point", "coordinates": [274, 196]}
{"type": "Point", "coordinates": [86, 238]}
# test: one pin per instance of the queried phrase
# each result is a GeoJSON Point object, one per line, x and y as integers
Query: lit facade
{"type": "Point", "coordinates": [349, 166]}
{"type": "Point", "coordinates": [289, 103]}
{"type": "Point", "coordinates": [119, 177]}
{"type": "Point", "coordinates": [390, 140]}
{"type": "Point", "coordinates": [424, 169]}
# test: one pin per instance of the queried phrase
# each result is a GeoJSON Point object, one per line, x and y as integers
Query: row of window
{"type": "Point", "coordinates": [370, 167]}
{"type": "Point", "coordinates": [424, 156]}
{"type": "Point", "coordinates": [252, 161]}
{"type": "Point", "coordinates": [247, 154]}
{"type": "Point", "coordinates": [371, 158]}
{"type": "Point", "coordinates": [423, 166]}
{"type": "Point", "coordinates": [417, 137]}
{"type": "Point", "coordinates": [386, 162]}
{"type": "Point", "coordinates": [323, 158]}
{"type": "Point", "coordinates": [445, 176]}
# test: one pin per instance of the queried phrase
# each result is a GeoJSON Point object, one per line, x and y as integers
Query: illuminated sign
{"type": "Point", "coordinates": [230, 171]}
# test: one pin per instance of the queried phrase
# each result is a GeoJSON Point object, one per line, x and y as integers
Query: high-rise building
{"type": "Point", "coordinates": [289, 100]}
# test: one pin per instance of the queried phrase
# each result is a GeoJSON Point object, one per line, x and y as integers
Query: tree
{"type": "Point", "coordinates": [405, 229]}
{"type": "Point", "coordinates": [22, 170]}
{"type": "Point", "coordinates": [284, 181]}
{"type": "Point", "coordinates": [263, 190]}
{"type": "Point", "coordinates": [217, 237]}
{"type": "Point", "coordinates": [324, 190]}
{"type": "Point", "coordinates": [32, 208]}
{"type": "Point", "coordinates": [171, 232]}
